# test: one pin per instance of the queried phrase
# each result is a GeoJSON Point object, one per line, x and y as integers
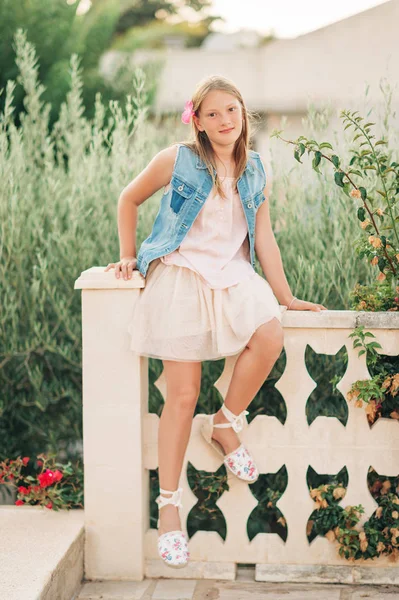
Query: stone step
{"type": "Point", "coordinates": [41, 553]}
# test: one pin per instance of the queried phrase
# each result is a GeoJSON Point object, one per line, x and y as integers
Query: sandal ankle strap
{"type": "Point", "coordinates": [235, 421]}
{"type": "Point", "coordinates": [175, 499]}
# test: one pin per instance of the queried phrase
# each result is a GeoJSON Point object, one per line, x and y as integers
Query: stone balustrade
{"type": "Point", "coordinates": [120, 446]}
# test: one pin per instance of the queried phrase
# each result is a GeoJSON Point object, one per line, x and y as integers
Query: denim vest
{"type": "Point", "coordinates": [190, 185]}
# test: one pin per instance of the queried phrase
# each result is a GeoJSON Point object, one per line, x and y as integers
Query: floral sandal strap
{"type": "Point", "coordinates": [236, 421]}
{"type": "Point", "coordinates": [175, 499]}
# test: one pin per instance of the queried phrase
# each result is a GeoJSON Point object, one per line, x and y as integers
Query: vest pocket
{"type": "Point", "coordinates": [258, 199]}
{"type": "Point", "coordinates": [180, 192]}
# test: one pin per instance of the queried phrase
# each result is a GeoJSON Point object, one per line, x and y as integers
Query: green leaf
{"type": "Point", "coordinates": [381, 264]}
{"type": "Point", "coordinates": [296, 155]}
{"type": "Point", "coordinates": [346, 188]}
{"type": "Point", "coordinates": [363, 192]}
{"type": "Point", "coordinates": [361, 352]}
{"type": "Point", "coordinates": [325, 145]}
{"type": "Point", "coordinates": [374, 345]}
{"type": "Point", "coordinates": [361, 213]}
{"type": "Point", "coordinates": [335, 160]}
{"type": "Point", "coordinates": [316, 161]}
{"type": "Point", "coordinates": [338, 177]}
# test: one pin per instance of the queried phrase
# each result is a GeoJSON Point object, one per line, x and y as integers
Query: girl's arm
{"type": "Point", "coordinates": [156, 175]}
{"type": "Point", "coordinates": [268, 252]}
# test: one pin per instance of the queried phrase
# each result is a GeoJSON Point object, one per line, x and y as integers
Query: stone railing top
{"type": "Point", "coordinates": [96, 278]}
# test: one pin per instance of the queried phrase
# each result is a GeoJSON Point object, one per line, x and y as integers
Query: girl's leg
{"type": "Point", "coordinates": [183, 383]}
{"type": "Point", "coordinates": [250, 371]}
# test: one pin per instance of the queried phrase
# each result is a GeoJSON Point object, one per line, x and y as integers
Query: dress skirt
{"type": "Point", "coordinates": [177, 316]}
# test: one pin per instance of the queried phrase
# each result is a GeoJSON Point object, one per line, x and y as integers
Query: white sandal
{"type": "Point", "coordinates": [239, 461]}
{"type": "Point", "coordinates": [172, 545]}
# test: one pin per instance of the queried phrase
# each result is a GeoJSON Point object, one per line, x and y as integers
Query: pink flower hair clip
{"type": "Point", "coordinates": [188, 112]}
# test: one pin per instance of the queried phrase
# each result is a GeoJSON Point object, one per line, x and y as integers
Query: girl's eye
{"type": "Point", "coordinates": [232, 107]}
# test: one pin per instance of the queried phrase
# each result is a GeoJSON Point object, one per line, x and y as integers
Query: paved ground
{"type": "Point", "coordinates": [244, 588]}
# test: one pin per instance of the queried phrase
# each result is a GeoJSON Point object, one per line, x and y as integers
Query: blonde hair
{"type": "Point", "coordinates": [199, 142]}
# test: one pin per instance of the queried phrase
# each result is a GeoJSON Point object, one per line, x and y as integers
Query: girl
{"type": "Point", "coordinates": [203, 299]}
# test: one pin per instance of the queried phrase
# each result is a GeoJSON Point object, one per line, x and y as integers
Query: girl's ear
{"type": "Point", "coordinates": [196, 121]}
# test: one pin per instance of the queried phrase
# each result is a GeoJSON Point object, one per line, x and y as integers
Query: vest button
{"type": "Point", "coordinates": [249, 205]}
{"type": "Point", "coordinates": [180, 188]}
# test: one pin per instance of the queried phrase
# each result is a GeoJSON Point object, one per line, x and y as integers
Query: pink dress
{"type": "Point", "coordinates": [204, 301]}
{"type": "Point", "coordinates": [217, 246]}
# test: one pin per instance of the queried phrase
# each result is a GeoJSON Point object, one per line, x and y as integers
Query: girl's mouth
{"type": "Point", "coordinates": [227, 130]}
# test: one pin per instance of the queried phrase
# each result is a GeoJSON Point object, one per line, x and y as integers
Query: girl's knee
{"type": "Point", "coordinates": [184, 398]}
{"type": "Point", "coordinates": [269, 337]}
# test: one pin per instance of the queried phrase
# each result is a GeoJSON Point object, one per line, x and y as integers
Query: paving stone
{"type": "Point", "coordinates": [373, 594]}
{"type": "Point", "coordinates": [114, 590]}
{"type": "Point", "coordinates": [222, 590]}
{"type": "Point", "coordinates": [174, 589]}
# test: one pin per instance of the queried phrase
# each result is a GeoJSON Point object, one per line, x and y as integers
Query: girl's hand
{"type": "Point", "coordinates": [298, 304]}
{"type": "Point", "coordinates": [124, 266]}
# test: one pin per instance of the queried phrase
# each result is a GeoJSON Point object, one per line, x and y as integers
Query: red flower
{"type": "Point", "coordinates": [19, 502]}
{"type": "Point", "coordinates": [39, 463]}
{"type": "Point", "coordinates": [58, 475]}
{"type": "Point", "coordinates": [25, 460]}
{"type": "Point", "coordinates": [11, 476]}
{"type": "Point", "coordinates": [49, 505]}
{"type": "Point", "coordinates": [23, 490]}
{"type": "Point", "coordinates": [46, 478]}
{"type": "Point", "coordinates": [36, 488]}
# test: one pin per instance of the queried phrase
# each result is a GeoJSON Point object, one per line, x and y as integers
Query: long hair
{"type": "Point", "coordinates": [199, 142]}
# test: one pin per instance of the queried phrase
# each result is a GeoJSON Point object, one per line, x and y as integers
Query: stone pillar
{"type": "Point", "coordinates": [115, 401]}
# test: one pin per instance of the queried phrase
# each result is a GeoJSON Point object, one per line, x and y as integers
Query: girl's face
{"type": "Point", "coordinates": [220, 111]}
